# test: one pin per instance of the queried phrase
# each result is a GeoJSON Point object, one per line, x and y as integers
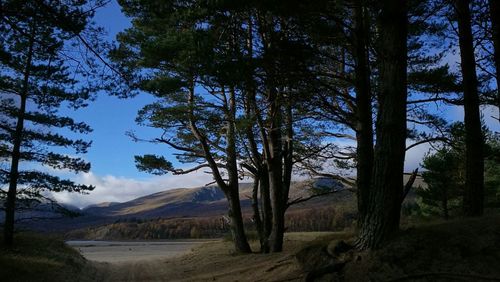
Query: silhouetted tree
{"type": "Point", "coordinates": [384, 205]}
{"type": "Point", "coordinates": [183, 53]}
{"type": "Point", "coordinates": [474, 140]}
{"type": "Point", "coordinates": [38, 77]}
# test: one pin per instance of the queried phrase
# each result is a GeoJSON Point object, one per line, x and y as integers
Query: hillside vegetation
{"type": "Point", "coordinates": [42, 258]}
{"type": "Point", "coordinates": [333, 212]}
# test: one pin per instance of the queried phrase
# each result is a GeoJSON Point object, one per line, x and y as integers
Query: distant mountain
{"type": "Point", "coordinates": [181, 202]}
{"type": "Point", "coordinates": [191, 202]}
{"type": "Point", "coordinates": [205, 201]}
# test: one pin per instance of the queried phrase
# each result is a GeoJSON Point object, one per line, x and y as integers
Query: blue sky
{"type": "Point", "coordinates": [111, 155]}
{"type": "Point", "coordinates": [112, 152]}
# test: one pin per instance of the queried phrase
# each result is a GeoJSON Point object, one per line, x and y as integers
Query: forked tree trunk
{"type": "Point", "coordinates": [262, 211]}
{"type": "Point", "coordinates": [495, 32]}
{"type": "Point", "coordinates": [231, 187]}
{"type": "Point", "coordinates": [364, 124]}
{"type": "Point", "coordinates": [381, 222]}
{"type": "Point", "coordinates": [474, 162]}
{"type": "Point", "coordinates": [10, 204]}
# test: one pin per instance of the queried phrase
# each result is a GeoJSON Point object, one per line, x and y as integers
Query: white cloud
{"type": "Point", "coordinates": [111, 188]}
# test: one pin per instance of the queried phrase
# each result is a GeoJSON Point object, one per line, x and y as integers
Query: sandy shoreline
{"type": "Point", "coordinates": [132, 251]}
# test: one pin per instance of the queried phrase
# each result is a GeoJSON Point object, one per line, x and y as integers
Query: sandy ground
{"type": "Point", "coordinates": [195, 261]}
{"type": "Point", "coordinates": [133, 251]}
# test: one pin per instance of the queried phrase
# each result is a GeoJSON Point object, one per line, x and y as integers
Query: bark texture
{"type": "Point", "coordinates": [236, 218]}
{"type": "Point", "coordinates": [381, 222]}
{"type": "Point", "coordinates": [275, 170]}
{"type": "Point", "coordinates": [364, 124]}
{"type": "Point", "coordinates": [474, 162]}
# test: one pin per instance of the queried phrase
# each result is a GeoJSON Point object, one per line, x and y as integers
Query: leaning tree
{"type": "Point", "coordinates": [182, 54]}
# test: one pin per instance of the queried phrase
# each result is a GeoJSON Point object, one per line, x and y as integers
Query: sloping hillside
{"type": "Point", "coordinates": [191, 202]}
{"type": "Point", "coordinates": [41, 258]}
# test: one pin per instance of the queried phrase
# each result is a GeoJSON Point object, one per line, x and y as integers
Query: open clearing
{"type": "Point", "coordinates": [192, 260]}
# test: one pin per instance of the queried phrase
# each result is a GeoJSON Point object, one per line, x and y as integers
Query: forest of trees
{"type": "Point", "coordinates": [262, 90]}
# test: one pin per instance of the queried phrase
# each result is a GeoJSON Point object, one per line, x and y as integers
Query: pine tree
{"type": "Point", "coordinates": [183, 54]}
{"type": "Point", "coordinates": [444, 177]}
{"type": "Point", "coordinates": [474, 139]}
{"type": "Point", "coordinates": [36, 81]}
{"type": "Point", "coordinates": [384, 205]}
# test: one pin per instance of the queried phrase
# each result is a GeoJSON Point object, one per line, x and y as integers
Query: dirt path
{"type": "Point", "coordinates": [214, 261]}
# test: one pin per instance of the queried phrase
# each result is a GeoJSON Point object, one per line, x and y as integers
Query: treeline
{"type": "Point", "coordinates": [159, 228]}
{"type": "Point", "coordinates": [320, 219]}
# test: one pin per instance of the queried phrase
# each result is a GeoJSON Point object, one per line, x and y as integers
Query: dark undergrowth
{"type": "Point", "coordinates": [458, 250]}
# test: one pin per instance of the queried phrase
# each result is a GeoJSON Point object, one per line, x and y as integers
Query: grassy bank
{"type": "Point", "coordinates": [42, 258]}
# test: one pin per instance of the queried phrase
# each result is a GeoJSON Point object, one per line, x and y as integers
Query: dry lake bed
{"type": "Point", "coordinates": [130, 251]}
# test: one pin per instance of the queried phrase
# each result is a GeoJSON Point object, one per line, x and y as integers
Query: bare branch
{"type": "Point", "coordinates": [301, 199]}
{"type": "Point", "coordinates": [429, 140]}
{"type": "Point", "coordinates": [409, 184]}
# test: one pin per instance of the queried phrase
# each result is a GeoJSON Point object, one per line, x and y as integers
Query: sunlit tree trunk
{"type": "Point", "coordinates": [231, 187]}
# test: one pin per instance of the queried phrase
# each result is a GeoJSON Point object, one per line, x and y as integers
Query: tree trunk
{"type": "Point", "coordinates": [381, 222]}
{"type": "Point", "coordinates": [236, 224]}
{"type": "Point", "coordinates": [275, 169]}
{"type": "Point", "coordinates": [257, 219]}
{"type": "Point", "coordinates": [364, 124]}
{"type": "Point", "coordinates": [287, 152]}
{"type": "Point", "coordinates": [10, 204]}
{"type": "Point", "coordinates": [267, 213]}
{"type": "Point", "coordinates": [495, 31]}
{"type": "Point", "coordinates": [233, 194]}
{"type": "Point", "coordinates": [474, 163]}
{"type": "Point", "coordinates": [231, 188]}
